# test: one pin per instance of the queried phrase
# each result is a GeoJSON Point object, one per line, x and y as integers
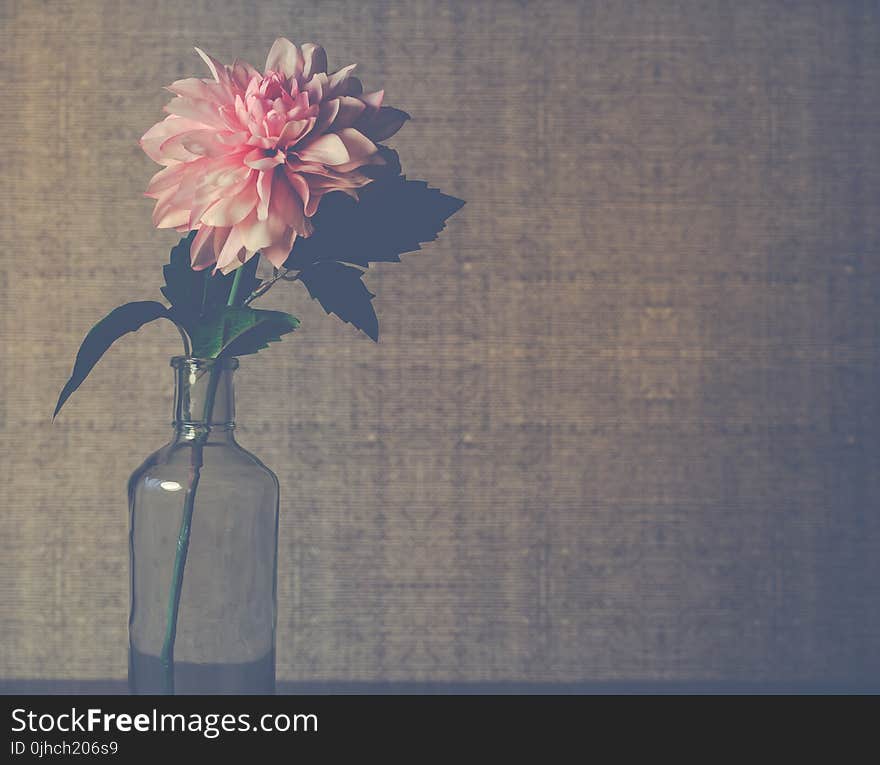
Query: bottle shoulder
{"type": "Point", "coordinates": [228, 458]}
{"type": "Point", "coordinates": [256, 462]}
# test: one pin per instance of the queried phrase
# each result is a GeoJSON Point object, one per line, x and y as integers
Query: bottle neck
{"type": "Point", "coordinates": [204, 399]}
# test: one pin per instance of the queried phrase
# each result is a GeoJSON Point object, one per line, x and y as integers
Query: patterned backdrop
{"type": "Point", "coordinates": [622, 424]}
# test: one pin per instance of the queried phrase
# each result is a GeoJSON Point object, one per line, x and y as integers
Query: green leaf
{"type": "Point", "coordinates": [340, 289]}
{"type": "Point", "coordinates": [126, 318]}
{"type": "Point", "coordinates": [198, 303]}
{"type": "Point", "coordinates": [183, 286]}
{"type": "Point", "coordinates": [239, 331]}
{"type": "Point", "coordinates": [392, 216]}
{"type": "Point", "coordinates": [195, 294]}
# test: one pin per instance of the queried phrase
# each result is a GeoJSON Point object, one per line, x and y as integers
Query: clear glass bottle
{"type": "Point", "coordinates": [203, 543]}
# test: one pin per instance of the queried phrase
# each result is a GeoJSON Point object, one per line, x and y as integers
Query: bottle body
{"type": "Point", "coordinates": [203, 602]}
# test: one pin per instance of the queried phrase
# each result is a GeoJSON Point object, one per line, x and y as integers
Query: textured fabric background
{"type": "Point", "coordinates": [622, 423]}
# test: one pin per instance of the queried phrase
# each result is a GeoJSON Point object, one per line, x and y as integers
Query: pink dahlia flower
{"type": "Point", "coordinates": [248, 156]}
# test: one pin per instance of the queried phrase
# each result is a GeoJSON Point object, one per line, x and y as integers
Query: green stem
{"type": "Point", "coordinates": [196, 458]}
{"type": "Point", "coordinates": [183, 336]}
{"type": "Point", "coordinates": [233, 293]}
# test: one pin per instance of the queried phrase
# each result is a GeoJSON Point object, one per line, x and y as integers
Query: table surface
{"type": "Point", "coordinates": [119, 687]}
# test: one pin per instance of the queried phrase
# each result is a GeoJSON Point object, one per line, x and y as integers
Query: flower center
{"type": "Point", "coordinates": [270, 105]}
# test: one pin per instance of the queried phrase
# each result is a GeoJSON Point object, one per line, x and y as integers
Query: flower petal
{"type": "Point", "coordinates": [314, 60]}
{"type": "Point", "coordinates": [284, 57]}
{"type": "Point", "coordinates": [314, 201]}
{"type": "Point", "coordinates": [221, 234]}
{"type": "Point", "coordinates": [243, 73]}
{"type": "Point", "coordinates": [192, 87]}
{"type": "Point", "coordinates": [198, 209]}
{"type": "Point", "coordinates": [350, 111]}
{"type": "Point", "coordinates": [233, 139]}
{"type": "Point", "coordinates": [337, 81]}
{"type": "Point", "coordinates": [205, 112]}
{"type": "Point", "coordinates": [166, 214]}
{"type": "Point", "coordinates": [298, 184]}
{"type": "Point", "coordinates": [348, 169]}
{"type": "Point", "coordinates": [256, 234]}
{"type": "Point", "coordinates": [166, 178]}
{"type": "Point", "coordinates": [232, 210]}
{"type": "Point", "coordinates": [383, 123]}
{"type": "Point", "coordinates": [264, 190]}
{"type": "Point", "coordinates": [217, 69]}
{"type": "Point", "coordinates": [294, 131]}
{"type": "Point", "coordinates": [357, 144]}
{"type": "Point", "coordinates": [327, 149]}
{"type": "Point", "coordinates": [229, 254]}
{"type": "Point", "coordinates": [316, 87]}
{"type": "Point", "coordinates": [278, 253]}
{"type": "Point", "coordinates": [326, 115]}
{"type": "Point", "coordinates": [351, 87]}
{"type": "Point", "coordinates": [286, 204]}
{"type": "Point", "coordinates": [202, 249]}
{"type": "Point", "coordinates": [373, 100]}
{"type": "Point", "coordinates": [192, 144]}
{"type": "Point", "coordinates": [153, 139]}
{"type": "Point", "coordinates": [262, 159]}
{"type": "Point", "coordinates": [243, 257]}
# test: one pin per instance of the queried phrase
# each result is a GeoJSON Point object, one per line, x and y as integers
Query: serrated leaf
{"type": "Point", "coordinates": [238, 331]}
{"type": "Point", "coordinates": [392, 216]}
{"type": "Point", "coordinates": [183, 286]}
{"type": "Point", "coordinates": [126, 318]}
{"type": "Point", "coordinates": [340, 289]}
